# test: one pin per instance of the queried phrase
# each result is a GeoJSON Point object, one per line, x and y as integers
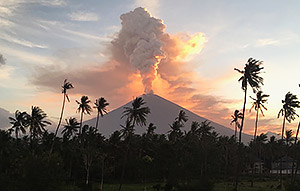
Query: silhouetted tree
{"type": "Point", "coordinates": [235, 119]}
{"type": "Point", "coordinates": [84, 108]}
{"type": "Point", "coordinates": [100, 105]}
{"type": "Point", "coordinates": [258, 105]}
{"type": "Point", "coordinates": [250, 75]}
{"type": "Point", "coordinates": [18, 123]}
{"type": "Point", "coordinates": [70, 128]}
{"type": "Point", "coordinates": [37, 122]}
{"type": "Point", "coordinates": [182, 117]}
{"type": "Point", "coordinates": [66, 86]}
{"type": "Point", "coordinates": [288, 112]}
{"type": "Point", "coordinates": [136, 115]}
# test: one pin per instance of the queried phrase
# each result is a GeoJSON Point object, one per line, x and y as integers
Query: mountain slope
{"type": "Point", "coordinates": [163, 113]}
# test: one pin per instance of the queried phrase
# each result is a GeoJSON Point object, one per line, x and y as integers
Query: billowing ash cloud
{"type": "Point", "coordinates": [140, 39]}
{"type": "Point", "coordinates": [2, 60]}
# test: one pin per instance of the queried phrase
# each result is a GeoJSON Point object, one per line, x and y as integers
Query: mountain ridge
{"type": "Point", "coordinates": [163, 113]}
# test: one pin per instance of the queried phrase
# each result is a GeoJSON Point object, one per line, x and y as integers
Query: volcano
{"type": "Point", "coordinates": [163, 113]}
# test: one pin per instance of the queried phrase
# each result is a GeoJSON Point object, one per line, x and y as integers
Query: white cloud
{"type": "Point", "coordinates": [266, 42]}
{"type": "Point", "coordinates": [5, 72]}
{"type": "Point", "coordinates": [26, 56]}
{"type": "Point", "coordinates": [22, 42]}
{"type": "Point", "coordinates": [6, 23]}
{"type": "Point", "coordinates": [83, 16]}
{"type": "Point", "coordinates": [86, 35]}
{"type": "Point", "coordinates": [152, 6]}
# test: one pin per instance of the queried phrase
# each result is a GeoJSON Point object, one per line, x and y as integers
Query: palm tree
{"type": "Point", "coordinates": [288, 110]}
{"type": "Point", "coordinates": [235, 119]}
{"type": "Point", "coordinates": [84, 108]}
{"type": "Point", "coordinates": [18, 123]}
{"type": "Point", "coordinates": [37, 122]}
{"type": "Point", "coordinates": [71, 127]}
{"type": "Point", "coordinates": [175, 132]}
{"type": "Point", "coordinates": [127, 130]}
{"type": "Point", "coordinates": [182, 117]}
{"type": "Point", "coordinates": [66, 86]}
{"type": "Point", "coordinates": [137, 114]}
{"type": "Point", "coordinates": [250, 75]}
{"type": "Point", "coordinates": [150, 129]}
{"type": "Point", "coordinates": [258, 105]}
{"type": "Point", "coordinates": [100, 105]}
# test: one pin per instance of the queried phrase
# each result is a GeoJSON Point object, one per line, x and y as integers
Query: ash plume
{"type": "Point", "coordinates": [140, 40]}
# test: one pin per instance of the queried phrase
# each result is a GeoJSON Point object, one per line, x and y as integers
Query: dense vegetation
{"type": "Point", "coordinates": [83, 159]}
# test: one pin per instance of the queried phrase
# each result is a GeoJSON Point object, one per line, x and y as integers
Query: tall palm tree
{"type": "Point", "coordinates": [258, 105]}
{"type": "Point", "coordinates": [37, 122]}
{"type": "Point", "coordinates": [288, 110]}
{"type": "Point", "coordinates": [250, 75]}
{"type": "Point", "coordinates": [137, 114]}
{"type": "Point", "coordinates": [100, 105]}
{"type": "Point", "coordinates": [66, 86]}
{"type": "Point", "coordinates": [289, 113]}
{"type": "Point", "coordinates": [71, 127]}
{"type": "Point", "coordinates": [18, 123]}
{"type": "Point", "coordinates": [235, 119]}
{"type": "Point", "coordinates": [84, 108]}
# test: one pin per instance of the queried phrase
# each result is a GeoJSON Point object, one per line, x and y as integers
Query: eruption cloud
{"type": "Point", "coordinates": [141, 40]}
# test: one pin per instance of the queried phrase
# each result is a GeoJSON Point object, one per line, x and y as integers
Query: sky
{"type": "Point", "coordinates": [42, 42]}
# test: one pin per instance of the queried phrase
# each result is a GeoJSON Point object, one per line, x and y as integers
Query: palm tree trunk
{"type": "Point", "coordinates": [293, 167]}
{"type": "Point", "coordinates": [102, 174]}
{"type": "Point", "coordinates": [256, 123]}
{"type": "Point", "coordinates": [244, 108]}
{"type": "Point", "coordinates": [240, 141]}
{"type": "Point", "coordinates": [125, 159]}
{"type": "Point", "coordinates": [97, 120]}
{"type": "Point", "coordinates": [59, 122]}
{"type": "Point", "coordinates": [17, 134]}
{"type": "Point", "coordinates": [235, 130]}
{"type": "Point", "coordinates": [61, 114]}
{"type": "Point", "coordinates": [282, 134]}
{"type": "Point", "coordinates": [81, 117]}
{"type": "Point", "coordinates": [124, 165]}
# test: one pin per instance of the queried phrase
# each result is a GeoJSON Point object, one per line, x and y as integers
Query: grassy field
{"type": "Point", "coordinates": [224, 186]}
{"type": "Point", "coordinates": [245, 186]}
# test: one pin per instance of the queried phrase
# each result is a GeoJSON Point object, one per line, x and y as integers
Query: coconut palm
{"type": "Point", "coordinates": [66, 86]}
{"type": "Point", "coordinates": [127, 130]}
{"type": "Point", "coordinates": [18, 123]}
{"type": "Point", "coordinates": [100, 105]}
{"type": "Point", "coordinates": [258, 105]}
{"type": "Point", "coordinates": [37, 122]}
{"type": "Point", "coordinates": [289, 113]}
{"type": "Point", "coordinates": [136, 114]}
{"type": "Point", "coordinates": [150, 129]}
{"type": "Point", "coordinates": [250, 76]}
{"type": "Point", "coordinates": [182, 117]}
{"type": "Point", "coordinates": [235, 119]}
{"type": "Point", "coordinates": [71, 127]}
{"type": "Point", "coordinates": [288, 110]}
{"type": "Point", "coordinates": [175, 132]}
{"type": "Point", "coordinates": [84, 108]}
